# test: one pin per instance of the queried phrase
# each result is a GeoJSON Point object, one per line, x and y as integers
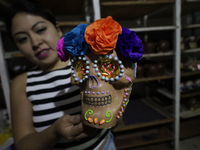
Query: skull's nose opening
{"type": "Point", "coordinates": [98, 101]}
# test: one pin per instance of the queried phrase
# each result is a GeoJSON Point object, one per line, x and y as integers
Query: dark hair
{"type": "Point", "coordinates": [27, 6]}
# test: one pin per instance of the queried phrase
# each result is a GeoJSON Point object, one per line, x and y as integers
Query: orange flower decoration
{"type": "Point", "coordinates": [101, 36]}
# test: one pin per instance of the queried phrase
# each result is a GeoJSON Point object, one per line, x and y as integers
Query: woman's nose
{"type": "Point", "coordinates": [35, 41]}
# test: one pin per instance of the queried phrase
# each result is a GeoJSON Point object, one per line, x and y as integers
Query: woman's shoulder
{"type": "Point", "coordinates": [19, 81]}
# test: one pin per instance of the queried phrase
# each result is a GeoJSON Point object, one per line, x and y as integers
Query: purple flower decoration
{"type": "Point", "coordinates": [130, 45]}
{"type": "Point", "coordinates": [59, 48]}
{"type": "Point", "coordinates": [74, 42]}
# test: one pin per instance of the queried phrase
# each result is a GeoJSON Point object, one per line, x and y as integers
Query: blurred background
{"type": "Point", "coordinates": [164, 108]}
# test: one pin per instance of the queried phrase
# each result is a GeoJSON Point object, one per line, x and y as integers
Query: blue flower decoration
{"type": "Point", "coordinates": [130, 45]}
{"type": "Point", "coordinates": [74, 42]}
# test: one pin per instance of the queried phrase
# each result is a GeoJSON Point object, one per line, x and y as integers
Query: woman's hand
{"type": "Point", "coordinates": [72, 128]}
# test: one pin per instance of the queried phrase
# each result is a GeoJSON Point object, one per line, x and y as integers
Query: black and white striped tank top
{"type": "Point", "coordinates": [53, 96]}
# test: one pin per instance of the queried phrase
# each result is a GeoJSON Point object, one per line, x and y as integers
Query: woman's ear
{"type": "Point", "coordinates": [58, 29]}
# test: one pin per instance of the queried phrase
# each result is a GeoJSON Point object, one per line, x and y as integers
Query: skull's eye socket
{"type": "Point", "coordinates": [108, 68]}
{"type": "Point", "coordinates": [80, 68]}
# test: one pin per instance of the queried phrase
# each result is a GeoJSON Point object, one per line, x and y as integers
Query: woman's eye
{"type": "Point", "coordinates": [22, 40]}
{"type": "Point", "coordinates": [41, 30]}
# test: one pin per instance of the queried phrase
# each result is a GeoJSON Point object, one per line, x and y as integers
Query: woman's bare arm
{"type": "Point", "coordinates": [25, 136]}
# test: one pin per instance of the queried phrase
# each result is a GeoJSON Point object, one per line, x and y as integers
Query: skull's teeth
{"type": "Point", "coordinates": [98, 101]}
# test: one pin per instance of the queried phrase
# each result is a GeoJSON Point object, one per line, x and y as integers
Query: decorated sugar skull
{"type": "Point", "coordinates": [103, 57]}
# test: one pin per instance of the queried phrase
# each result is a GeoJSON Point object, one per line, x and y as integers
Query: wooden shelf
{"type": "Point", "coordinates": [191, 26]}
{"type": "Point", "coordinates": [127, 10]}
{"type": "Point", "coordinates": [190, 50]}
{"type": "Point", "coordinates": [13, 54]}
{"type": "Point", "coordinates": [190, 94]}
{"type": "Point", "coordinates": [154, 78]}
{"type": "Point", "coordinates": [159, 28]}
{"type": "Point", "coordinates": [190, 113]}
{"type": "Point", "coordinates": [189, 128]}
{"type": "Point", "coordinates": [149, 2]}
{"type": "Point", "coordinates": [133, 109]}
{"type": "Point", "coordinates": [170, 53]}
{"type": "Point", "coordinates": [145, 137]}
{"type": "Point", "coordinates": [191, 73]}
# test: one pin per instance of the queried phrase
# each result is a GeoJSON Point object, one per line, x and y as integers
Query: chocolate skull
{"type": "Point", "coordinates": [105, 83]}
{"type": "Point", "coordinates": [103, 57]}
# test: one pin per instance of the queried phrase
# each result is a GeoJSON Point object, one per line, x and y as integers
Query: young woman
{"type": "Point", "coordinates": [45, 107]}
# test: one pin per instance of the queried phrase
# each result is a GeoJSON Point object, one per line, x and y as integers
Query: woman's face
{"type": "Point", "coordinates": [37, 38]}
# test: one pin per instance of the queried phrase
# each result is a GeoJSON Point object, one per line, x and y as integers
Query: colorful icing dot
{"type": "Point", "coordinates": [90, 120]}
{"type": "Point", "coordinates": [97, 93]}
{"type": "Point", "coordinates": [126, 93]}
{"type": "Point", "coordinates": [74, 75]}
{"type": "Point", "coordinates": [102, 92]}
{"type": "Point", "coordinates": [95, 120]}
{"type": "Point", "coordinates": [84, 58]}
{"type": "Point", "coordinates": [95, 61]}
{"type": "Point", "coordinates": [112, 79]}
{"type": "Point", "coordinates": [96, 69]}
{"type": "Point", "coordinates": [115, 58]}
{"type": "Point", "coordinates": [124, 105]}
{"type": "Point", "coordinates": [87, 62]}
{"type": "Point", "coordinates": [118, 116]}
{"type": "Point", "coordinates": [102, 78]}
{"type": "Point", "coordinates": [122, 109]}
{"type": "Point", "coordinates": [76, 79]}
{"type": "Point", "coordinates": [116, 78]}
{"type": "Point", "coordinates": [125, 99]}
{"type": "Point", "coordinates": [125, 90]}
{"type": "Point", "coordinates": [88, 92]}
{"type": "Point", "coordinates": [93, 93]}
{"type": "Point", "coordinates": [94, 66]}
{"type": "Point", "coordinates": [107, 92]}
{"type": "Point", "coordinates": [87, 67]}
{"type": "Point", "coordinates": [102, 121]}
{"type": "Point", "coordinates": [98, 74]}
{"type": "Point", "coordinates": [123, 102]}
{"type": "Point", "coordinates": [120, 113]}
{"type": "Point", "coordinates": [110, 56]}
{"type": "Point", "coordinates": [124, 96]}
{"type": "Point", "coordinates": [121, 75]}
{"type": "Point", "coordinates": [119, 62]}
{"type": "Point", "coordinates": [121, 66]}
{"type": "Point", "coordinates": [85, 92]}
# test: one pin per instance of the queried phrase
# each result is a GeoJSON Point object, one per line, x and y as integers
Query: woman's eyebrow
{"type": "Point", "coordinates": [37, 24]}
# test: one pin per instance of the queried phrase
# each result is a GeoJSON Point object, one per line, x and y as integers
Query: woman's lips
{"type": "Point", "coordinates": [43, 53]}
